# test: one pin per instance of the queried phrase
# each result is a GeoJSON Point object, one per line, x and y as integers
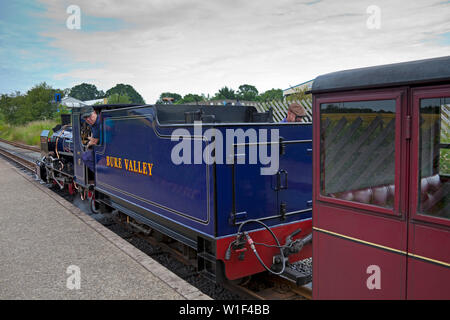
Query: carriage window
{"type": "Point", "coordinates": [434, 157]}
{"type": "Point", "coordinates": [358, 151]}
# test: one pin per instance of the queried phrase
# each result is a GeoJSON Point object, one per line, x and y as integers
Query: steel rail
{"type": "Point", "coordinates": [21, 145]}
{"type": "Point", "coordinates": [29, 165]}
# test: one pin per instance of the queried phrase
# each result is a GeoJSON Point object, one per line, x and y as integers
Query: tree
{"type": "Point", "coordinates": [36, 104]}
{"type": "Point", "coordinates": [66, 92]}
{"type": "Point", "coordinates": [191, 98]}
{"type": "Point", "coordinates": [86, 91]}
{"type": "Point", "coordinates": [9, 106]}
{"type": "Point", "coordinates": [62, 109]}
{"type": "Point", "coordinates": [270, 95]}
{"type": "Point", "coordinates": [225, 93]}
{"type": "Point", "coordinates": [175, 97]}
{"type": "Point", "coordinates": [126, 89]}
{"type": "Point", "coordinates": [39, 99]}
{"type": "Point", "coordinates": [119, 99]}
{"type": "Point", "coordinates": [247, 92]}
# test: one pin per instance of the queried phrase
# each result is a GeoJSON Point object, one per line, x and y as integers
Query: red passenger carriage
{"type": "Point", "coordinates": [381, 212]}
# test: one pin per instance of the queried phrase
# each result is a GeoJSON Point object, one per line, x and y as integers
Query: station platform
{"type": "Point", "coordinates": [49, 249]}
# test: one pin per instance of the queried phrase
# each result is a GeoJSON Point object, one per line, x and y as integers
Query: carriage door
{"type": "Point", "coordinates": [429, 219]}
{"type": "Point", "coordinates": [359, 216]}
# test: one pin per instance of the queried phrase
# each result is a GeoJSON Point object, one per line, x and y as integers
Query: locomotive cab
{"type": "Point", "coordinates": [81, 133]}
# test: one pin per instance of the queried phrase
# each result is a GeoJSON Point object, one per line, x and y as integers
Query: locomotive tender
{"type": "Point", "coordinates": [237, 220]}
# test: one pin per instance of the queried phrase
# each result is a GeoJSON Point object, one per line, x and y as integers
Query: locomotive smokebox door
{"type": "Point", "coordinates": [44, 141]}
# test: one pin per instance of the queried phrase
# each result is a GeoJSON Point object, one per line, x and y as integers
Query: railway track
{"type": "Point", "coordinates": [27, 164]}
{"type": "Point", "coordinates": [259, 287]}
{"type": "Point", "coordinates": [21, 145]}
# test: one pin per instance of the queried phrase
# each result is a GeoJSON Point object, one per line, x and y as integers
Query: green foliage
{"type": "Point", "coordinates": [61, 109]}
{"type": "Point", "coordinates": [39, 99]}
{"type": "Point", "coordinates": [175, 97]}
{"type": "Point", "coordinates": [247, 92]}
{"type": "Point", "coordinates": [225, 93]}
{"type": "Point", "coordinates": [270, 95]}
{"type": "Point", "coordinates": [36, 104]}
{"type": "Point", "coordinates": [126, 90]}
{"type": "Point", "coordinates": [191, 98]}
{"type": "Point", "coordinates": [5, 130]}
{"type": "Point", "coordinates": [86, 91]}
{"type": "Point", "coordinates": [9, 106]}
{"type": "Point", "coordinates": [119, 99]}
{"type": "Point", "coordinates": [29, 133]}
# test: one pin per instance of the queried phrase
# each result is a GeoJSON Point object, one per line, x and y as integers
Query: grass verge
{"type": "Point", "coordinates": [28, 133]}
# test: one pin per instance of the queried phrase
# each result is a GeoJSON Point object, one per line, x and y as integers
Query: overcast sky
{"type": "Point", "coordinates": [193, 46]}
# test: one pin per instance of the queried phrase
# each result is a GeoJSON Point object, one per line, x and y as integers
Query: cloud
{"type": "Point", "coordinates": [198, 46]}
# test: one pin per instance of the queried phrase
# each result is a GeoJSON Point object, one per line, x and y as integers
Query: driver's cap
{"type": "Point", "coordinates": [86, 112]}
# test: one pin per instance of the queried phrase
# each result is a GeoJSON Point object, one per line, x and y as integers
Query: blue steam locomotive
{"type": "Point", "coordinates": [226, 182]}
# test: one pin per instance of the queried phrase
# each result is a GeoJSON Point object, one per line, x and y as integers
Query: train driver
{"type": "Point", "coordinates": [296, 112]}
{"type": "Point", "coordinates": [93, 120]}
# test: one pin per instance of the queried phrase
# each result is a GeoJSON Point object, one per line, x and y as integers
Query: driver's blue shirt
{"type": "Point", "coordinates": [95, 128]}
{"type": "Point", "coordinates": [88, 155]}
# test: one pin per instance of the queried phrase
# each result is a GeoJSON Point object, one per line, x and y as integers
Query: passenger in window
{"type": "Point", "coordinates": [296, 112]}
{"type": "Point", "coordinates": [93, 120]}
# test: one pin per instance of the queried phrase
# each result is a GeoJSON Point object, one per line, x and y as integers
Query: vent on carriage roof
{"type": "Point", "coordinates": [414, 72]}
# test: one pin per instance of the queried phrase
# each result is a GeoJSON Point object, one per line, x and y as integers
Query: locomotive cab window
{"type": "Point", "coordinates": [86, 130]}
{"type": "Point", "coordinates": [358, 151]}
{"type": "Point", "coordinates": [434, 157]}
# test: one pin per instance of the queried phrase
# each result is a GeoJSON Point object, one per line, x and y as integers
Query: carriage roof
{"type": "Point", "coordinates": [426, 71]}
